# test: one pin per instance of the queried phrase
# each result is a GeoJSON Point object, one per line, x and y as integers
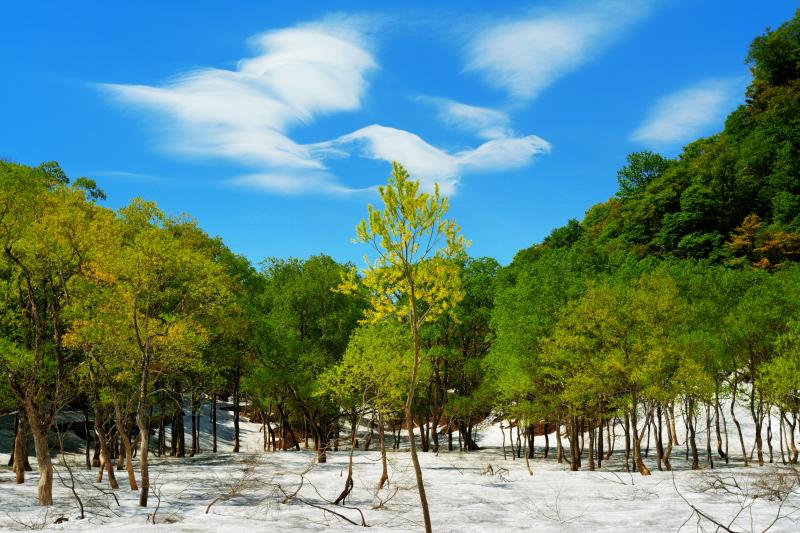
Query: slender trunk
{"type": "Point", "coordinates": [791, 444]}
{"type": "Point", "coordinates": [368, 438]}
{"type": "Point", "coordinates": [194, 425]}
{"type": "Point", "coordinates": [670, 438]}
{"type": "Point", "coordinates": [410, 419]}
{"type": "Point", "coordinates": [637, 440]}
{"type": "Point", "coordinates": [144, 433]}
{"type": "Point", "coordinates": [657, 433]}
{"type": "Point", "coordinates": [717, 413]}
{"type": "Point", "coordinates": [673, 428]}
{"type": "Point", "coordinates": [769, 431]}
{"type": "Point", "coordinates": [782, 431]}
{"type": "Point", "coordinates": [559, 446]}
{"type": "Point", "coordinates": [102, 440]}
{"type": "Point", "coordinates": [236, 379]}
{"type": "Point", "coordinates": [511, 440]}
{"type": "Point", "coordinates": [450, 436]}
{"type": "Point", "coordinates": [546, 441]}
{"type": "Point", "coordinates": [214, 422]}
{"type": "Point", "coordinates": [611, 436]}
{"type": "Point", "coordinates": [528, 443]}
{"type": "Point", "coordinates": [627, 443]}
{"type": "Point", "coordinates": [600, 442]}
{"type": "Point", "coordinates": [162, 433]}
{"type": "Point", "coordinates": [126, 442]}
{"type": "Point", "coordinates": [348, 484]}
{"type": "Point", "coordinates": [591, 447]}
{"type": "Point", "coordinates": [86, 432]}
{"type": "Point", "coordinates": [692, 441]}
{"type": "Point", "coordinates": [503, 435]}
{"type": "Point", "coordinates": [709, 457]}
{"type": "Point", "coordinates": [384, 467]}
{"type": "Point", "coordinates": [20, 451]}
{"type": "Point", "coordinates": [736, 423]}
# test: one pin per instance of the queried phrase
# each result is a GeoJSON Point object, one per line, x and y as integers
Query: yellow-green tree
{"type": "Point", "coordinates": [413, 278]}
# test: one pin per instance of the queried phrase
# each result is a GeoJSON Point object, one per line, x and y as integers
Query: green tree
{"type": "Point", "coordinates": [414, 277]}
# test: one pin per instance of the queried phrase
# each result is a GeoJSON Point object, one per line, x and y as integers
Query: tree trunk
{"type": "Point", "coordinates": [236, 379]}
{"type": "Point", "coordinates": [670, 438]}
{"type": "Point", "coordinates": [126, 442]}
{"type": "Point", "coordinates": [709, 456]}
{"type": "Point", "coordinates": [194, 425]}
{"type": "Point", "coordinates": [627, 443]}
{"type": "Point", "coordinates": [20, 451]}
{"type": "Point", "coordinates": [736, 423]}
{"type": "Point", "coordinates": [574, 447]}
{"type": "Point", "coordinates": [348, 484]}
{"type": "Point", "coordinates": [410, 419]}
{"type": "Point", "coordinates": [657, 433]}
{"type": "Point", "coordinates": [637, 440]}
{"type": "Point", "coordinates": [105, 459]}
{"type": "Point", "coordinates": [559, 446]}
{"type": "Point", "coordinates": [673, 428]}
{"type": "Point", "coordinates": [769, 431]}
{"type": "Point", "coordinates": [599, 442]}
{"type": "Point", "coordinates": [692, 440]}
{"type": "Point", "coordinates": [214, 422]}
{"type": "Point", "coordinates": [45, 463]}
{"type": "Point", "coordinates": [546, 440]}
{"type": "Point", "coordinates": [782, 431]}
{"type": "Point", "coordinates": [368, 438]}
{"type": "Point", "coordinates": [384, 467]}
{"type": "Point", "coordinates": [717, 413]}
{"type": "Point", "coordinates": [86, 432]}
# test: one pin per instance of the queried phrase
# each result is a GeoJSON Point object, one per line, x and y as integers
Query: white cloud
{"type": "Point", "coordinates": [487, 123]}
{"type": "Point", "coordinates": [525, 56]}
{"type": "Point", "coordinates": [244, 114]}
{"type": "Point", "coordinates": [434, 165]}
{"type": "Point", "coordinates": [687, 113]}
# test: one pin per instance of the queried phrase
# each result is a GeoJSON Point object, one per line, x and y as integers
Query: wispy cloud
{"type": "Point", "coordinates": [248, 115]}
{"type": "Point", "coordinates": [688, 112]}
{"type": "Point", "coordinates": [525, 56]}
{"type": "Point", "coordinates": [487, 123]}
{"type": "Point", "coordinates": [244, 114]}
{"type": "Point", "coordinates": [432, 164]}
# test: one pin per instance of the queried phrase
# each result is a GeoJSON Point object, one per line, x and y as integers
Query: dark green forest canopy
{"type": "Point", "coordinates": [733, 198]}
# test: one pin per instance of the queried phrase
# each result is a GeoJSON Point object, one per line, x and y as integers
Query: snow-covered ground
{"type": "Point", "coordinates": [464, 493]}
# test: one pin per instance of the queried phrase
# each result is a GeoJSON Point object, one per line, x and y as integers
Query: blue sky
{"type": "Point", "coordinates": [271, 123]}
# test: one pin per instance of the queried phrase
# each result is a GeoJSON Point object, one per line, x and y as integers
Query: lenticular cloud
{"type": "Point", "coordinates": [244, 114]}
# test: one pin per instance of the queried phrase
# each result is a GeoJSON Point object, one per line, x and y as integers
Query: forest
{"type": "Point", "coordinates": [669, 316]}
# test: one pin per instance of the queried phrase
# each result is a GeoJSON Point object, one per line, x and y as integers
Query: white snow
{"type": "Point", "coordinates": [463, 496]}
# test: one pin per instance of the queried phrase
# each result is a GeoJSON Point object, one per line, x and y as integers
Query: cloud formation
{"type": "Point", "coordinates": [432, 164]}
{"type": "Point", "coordinates": [688, 113]}
{"type": "Point", "coordinates": [485, 122]}
{"type": "Point", "coordinates": [245, 114]}
{"type": "Point", "coordinates": [298, 74]}
{"type": "Point", "coordinates": [525, 56]}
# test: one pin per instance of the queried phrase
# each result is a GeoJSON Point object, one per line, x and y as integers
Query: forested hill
{"type": "Point", "coordinates": [732, 198]}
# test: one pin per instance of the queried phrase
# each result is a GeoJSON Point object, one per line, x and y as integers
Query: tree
{"type": "Point", "coordinates": [47, 233]}
{"type": "Point", "coordinates": [413, 277]}
{"type": "Point", "coordinates": [165, 286]}
{"type": "Point", "coordinates": [642, 168]}
{"type": "Point", "coordinates": [302, 331]}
